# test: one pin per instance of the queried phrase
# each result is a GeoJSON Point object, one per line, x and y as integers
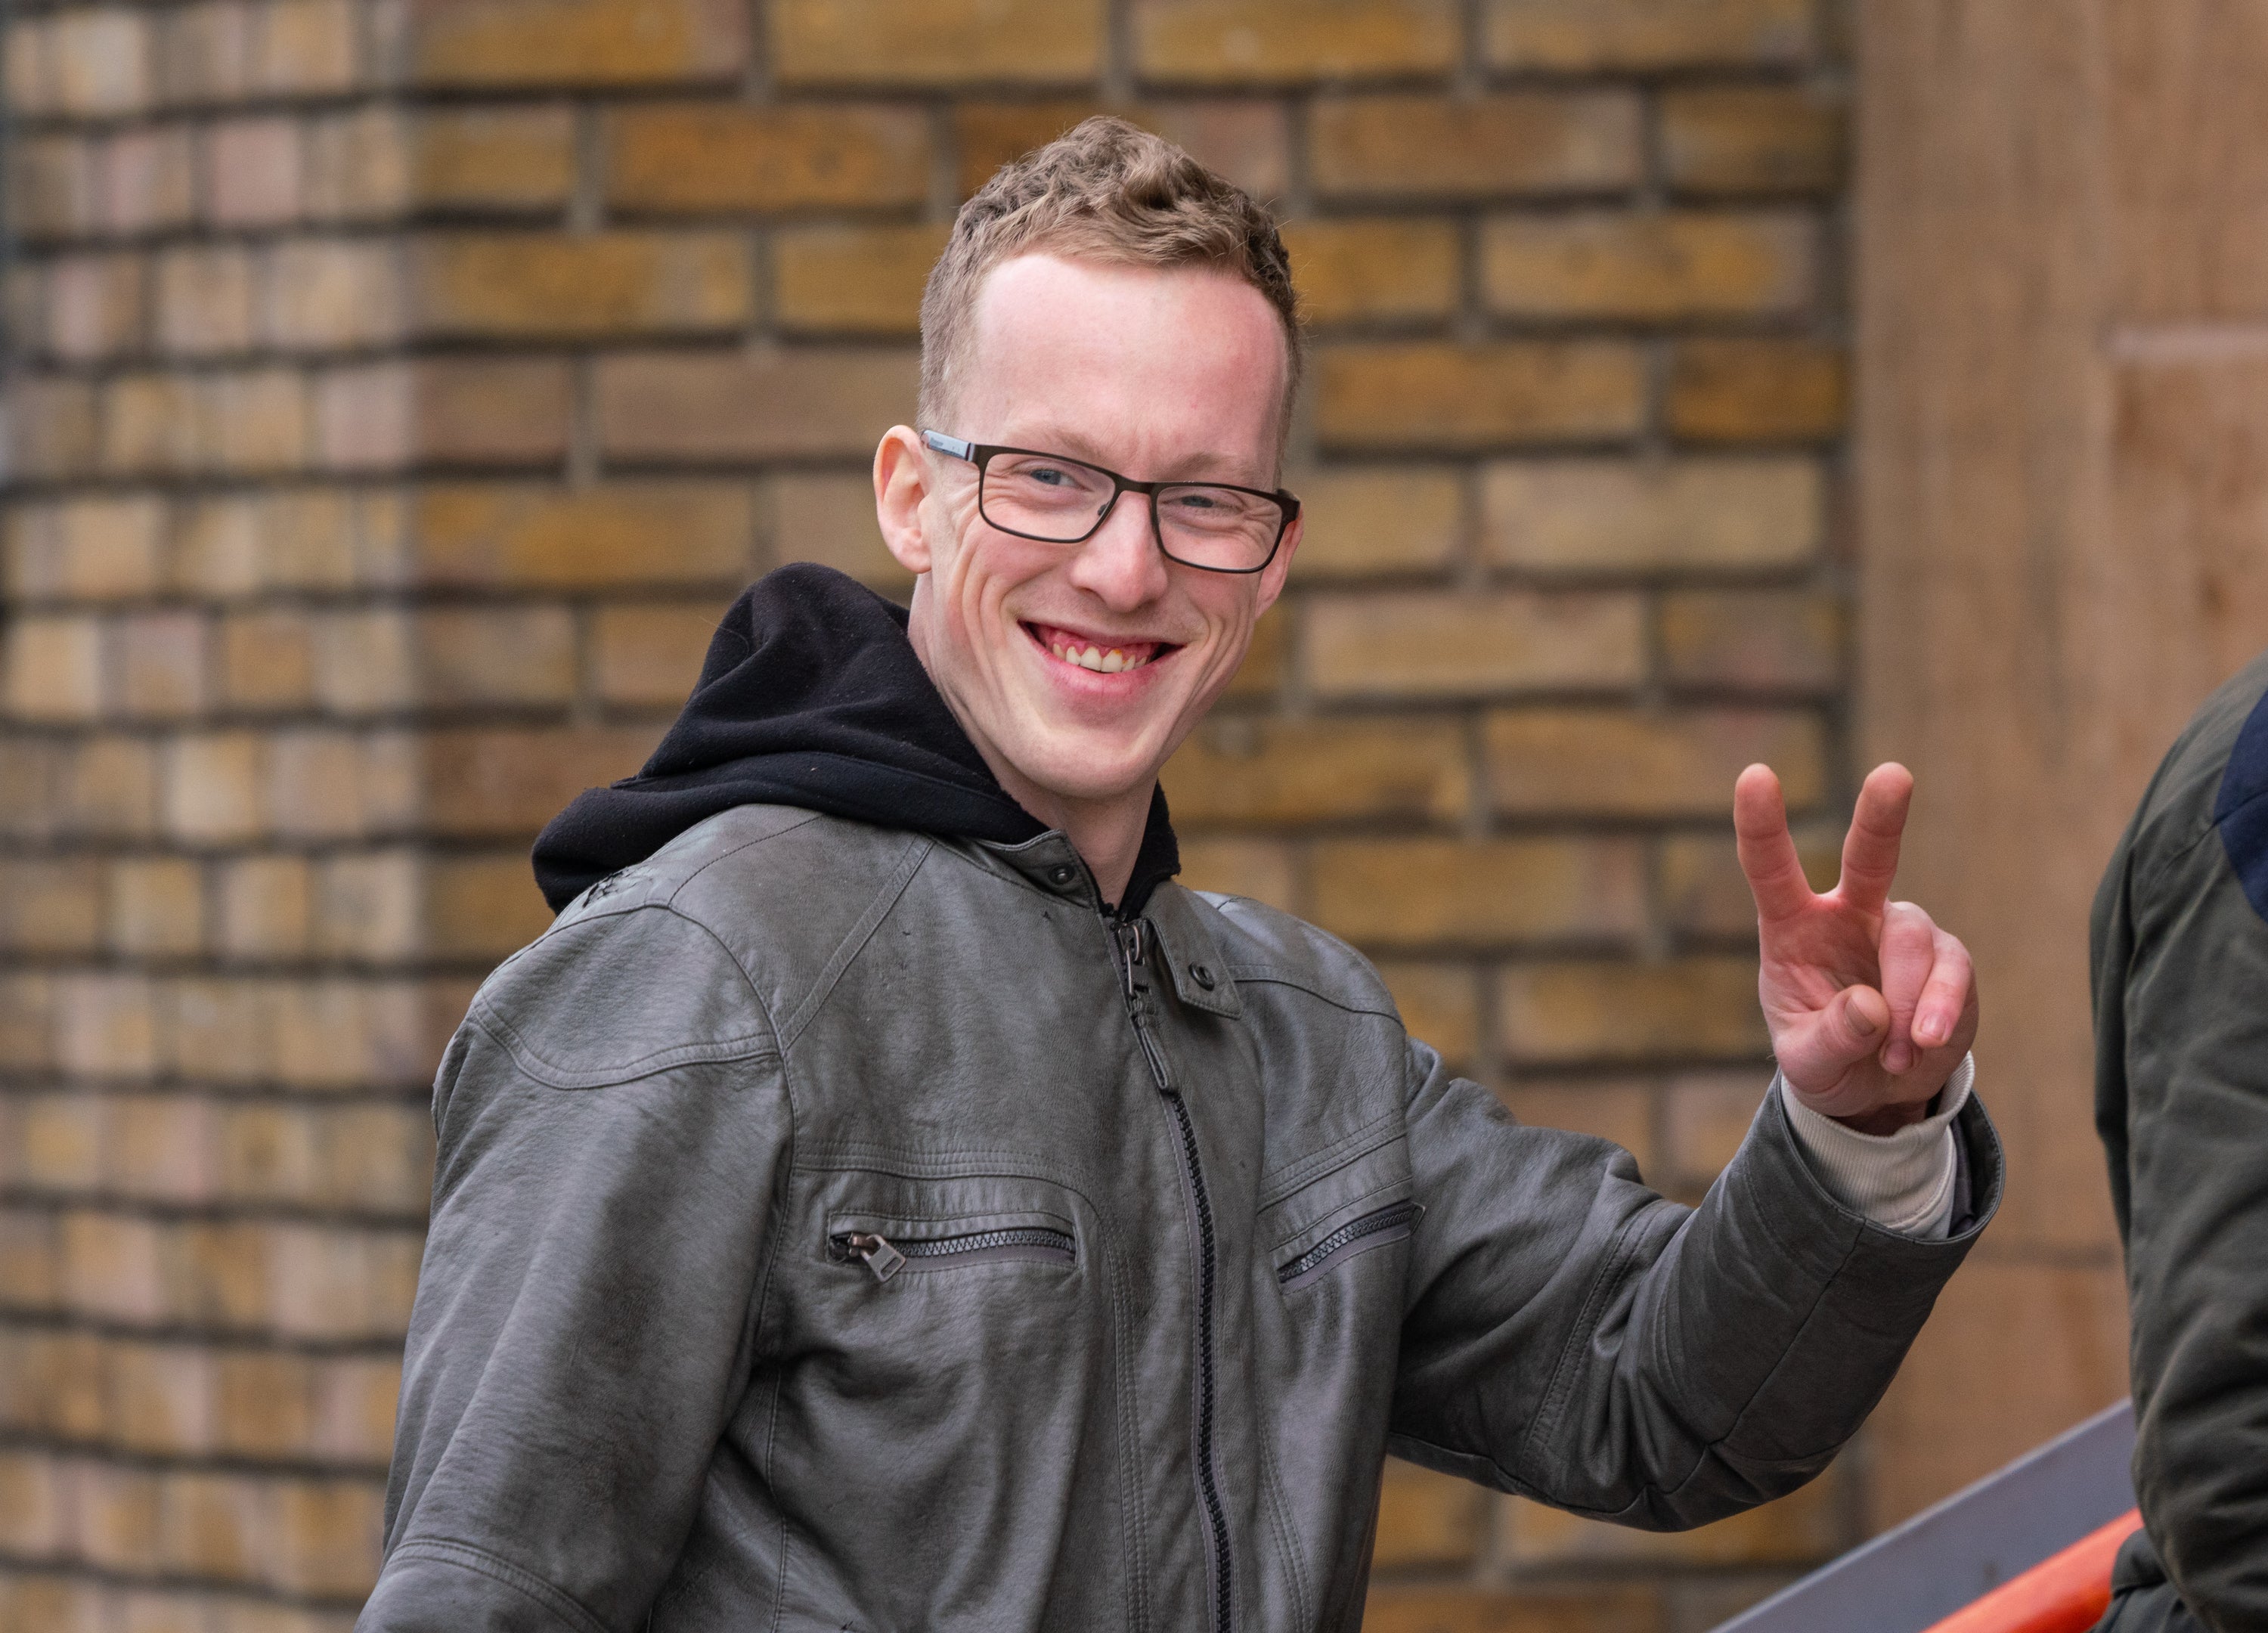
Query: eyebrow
{"type": "Point", "coordinates": [1205, 467]}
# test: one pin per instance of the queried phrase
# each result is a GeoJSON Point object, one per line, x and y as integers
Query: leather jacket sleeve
{"type": "Point", "coordinates": [584, 1319]}
{"type": "Point", "coordinates": [2180, 1010]}
{"type": "Point", "coordinates": [1574, 1337]}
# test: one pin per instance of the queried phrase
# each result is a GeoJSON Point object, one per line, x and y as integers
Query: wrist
{"type": "Point", "coordinates": [1889, 1119]}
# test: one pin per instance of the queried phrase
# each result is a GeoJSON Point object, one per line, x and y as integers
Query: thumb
{"type": "Point", "coordinates": [1851, 1028]}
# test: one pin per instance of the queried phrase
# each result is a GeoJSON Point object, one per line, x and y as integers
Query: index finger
{"type": "Point", "coordinates": [1767, 849]}
{"type": "Point", "coordinates": [1870, 850]}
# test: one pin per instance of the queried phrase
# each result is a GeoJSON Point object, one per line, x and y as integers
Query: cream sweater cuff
{"type": "Point", "coordinates": [1903, 1181]}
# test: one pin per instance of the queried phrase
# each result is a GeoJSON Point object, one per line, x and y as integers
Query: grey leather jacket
{"type": "Point", "coordinates": [838, 1227]}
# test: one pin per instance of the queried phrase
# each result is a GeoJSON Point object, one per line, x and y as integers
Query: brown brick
{"type": "Point", "coordinates": [54, 185]}
{"type": "Point", "coordinates": [1706, 1116]}
{"type": "Point", "coordinates": [161, 1148]}
{"type": "Point", "coordinates": [204, 299]}
{"type": "Point", "coordinates": [212, 783]}
{"type": "Point", "coordinates": [728, 156]}
{"type": "Point", "coordinates": [60, 1140]}
{"type": "Point", "coordinates": [1246, 141]}
{"type": "Point", "coordinates": [830, 520]}
{"type": "Point", "coordinates": [855, 280]}
{"type": "Point", "coordinates": [31, 1262]}
{"type": "Point", "coordinates": [1477, 892]}
{"type": "Point", "coordinates": [1616, 762]}
{"type": "Point", "coordinates": [1758, 390]}
{"type": "Point", "coordinates": [1559, 1014]}
{"type": "Point", "coordinates": [1261, 869]}
{"type": "Point", "coordinates": [263, 1402]}
{"type": "Point", "coordinates": [337, 785]}
{"type": "Point", "coordinates": [1617, 1109]}
{"type": "Point", "coordinates": [509, 782]}
{"type": "Point", "coordinates": [253, 173]}
{"type": "Point", "coordinates": [1257, 772]}
{"type": "Point", "coordinates": [1528, 1608]}
{"type": "Point", "coordinates": [306, 47]}
{"type": "Point", "coordinates": [1753, 139]}
{"type": "Point", "coordinates": [366, 906]}
{"type": "Point", "coordinates": [512, 43]}
{"type": "Point", "coordinates": [354, 1408]}
{"type": "Point", "coordinates": [939, 42]}
{"type": "Point", "coordinates": [1391, 269]}
{"type": "Point", "coordinates": [325, 1536]}
{"type": "Point", "coordinates": [50, 907]}
{"type": "Point", "coordinates": [363, 661]}
{"type": "Point", "coordinates": [94, 306]}
{"type": "Point", "coordinates": [207, 1525]}
{"type": "Point", "coordinates": [482, 906]}
{"type": "Point", "coordinates": [114, 1515]}
{"type": "Point", "coordinates": [204, 51]}
{"type": "Point", "coordinates": [1425, 1520]}
{"type": "Point", "coordinates": [534, 286]}
{"type": "Point", "coordinates": [1293, 41]}
{"type": "Point", "coordinates": [1804, 1528]}
{"type": "Point", "coordinates": [1609, 36]}
{"type": "Point", "coordinates": [156, 906]}
{"type": "Point", "coordinates": [51, 428]}
{"type": "Point", "coordinates": [1440, 1004]}
{"type": "Point", "coordinates": [1704, 892]}
{"type": "Point", "coordinates": [381, 1158]}
{"type": "Point", "coordinates": [1755, 640]}
{"type": "Point", "coordinates": [1365, 522]}
{"type": "Point", "coordinates": [265, 907]}
{"type": "Point", "coordinates": [1452, 643]}
{"type": "Point", "coordinates": [433, 411]}
{"type": "Point", "coordinates": [112, 1266]}
{"type": "Point", "coordinates": [648, 655]}
{"type": "Point", "coordinates": [359, 164]}
{"type": "Point", "coordinates": [1592, 515]}
{"type": "Point", "coordinates": [493, 535]}
{"type": "Point", "coordinates": [1401, 147]}
{"type": "Point", "coordinates": [110, 788]}
{"type": "Point", "coordinates": [98, 61]}
{"type": "Point", "coordinates": [792, 403]}
{"type": "Point", "coordinates": [1267, 660]}
{"type": "Point", "coordinates": [1682, 266]}
{"type": "Point", "coordinates": [148, 179]}
{"type": "Point", "coordinates": [497, 657]}
{"type": "Point", "coordinates": [1438, 395]}
{"type": "Point", "coordinates": [255, 422]}
{"type": "Point", "coordinates": [332, 295]}
{"type": "Point", "coordinates": [484, 158]}
{"type": "Point", "coordinates": [54, 668]}
{"type": "Point", "coordinates": [159, 665]}
{"type": "Point", "coordinates": [267, 660]}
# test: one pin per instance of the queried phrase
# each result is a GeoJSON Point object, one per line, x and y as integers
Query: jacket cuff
{"type": "Point", "coordinates": [1907, 1180]}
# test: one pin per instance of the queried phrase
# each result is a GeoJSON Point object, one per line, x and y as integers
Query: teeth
{"type": "Point", "coordinates": [1113, 661]}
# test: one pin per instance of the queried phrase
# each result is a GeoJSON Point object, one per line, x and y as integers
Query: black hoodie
{"type": "Point", "coordinates": [811, 695]}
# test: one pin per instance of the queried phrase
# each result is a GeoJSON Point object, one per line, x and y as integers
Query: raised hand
{"type": "Point", "coordinates": [1870, 1004]}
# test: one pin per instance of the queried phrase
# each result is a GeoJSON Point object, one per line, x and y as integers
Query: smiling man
{"type": "Point", "coordinates": [885, 1200]}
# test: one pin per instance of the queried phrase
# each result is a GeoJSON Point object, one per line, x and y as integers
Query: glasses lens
{"type": "Point", "coordinates": [1225, 529]}
{"type": "Point", "coordinates": [1042, 497]}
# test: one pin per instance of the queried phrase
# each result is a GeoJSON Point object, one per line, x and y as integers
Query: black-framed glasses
{"type": "Point", "coordinates": [1217, 526]}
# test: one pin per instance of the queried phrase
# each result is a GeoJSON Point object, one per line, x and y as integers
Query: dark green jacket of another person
{"type": "Point", "coordinates": [2180, 947]}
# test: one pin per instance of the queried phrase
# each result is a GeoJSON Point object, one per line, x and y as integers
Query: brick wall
{"type": "Point", "coordinates": [399, 387]}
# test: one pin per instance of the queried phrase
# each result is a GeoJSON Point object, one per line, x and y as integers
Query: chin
{"type": "Point", "coordinates": [1088, 772]}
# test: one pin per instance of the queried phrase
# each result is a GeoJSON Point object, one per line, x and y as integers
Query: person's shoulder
{"type": "Point", "coordinates": [1265, 946]}
{"type": "Point", "coordinates": [2217, 767]}
{"type": "Point", "coordinates": [688, 953]}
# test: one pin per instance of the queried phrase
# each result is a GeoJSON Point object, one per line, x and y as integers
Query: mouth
{"type": "Point", "coordinates": [1098, 654]}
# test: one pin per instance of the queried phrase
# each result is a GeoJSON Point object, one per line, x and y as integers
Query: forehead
{"type": "Point", "coordinates": [1161, 367]}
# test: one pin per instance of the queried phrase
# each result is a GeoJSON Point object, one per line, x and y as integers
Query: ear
{"type": "Point", "coordinates": [1272, 577]}
{"type": "Point", "coordinates": [901, 486]}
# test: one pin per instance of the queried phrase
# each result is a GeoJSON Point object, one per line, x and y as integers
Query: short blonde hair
{"type": "Point", "coordinates": [1111, 192]}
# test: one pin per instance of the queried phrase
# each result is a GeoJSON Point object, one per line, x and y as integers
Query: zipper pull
{"type": "Point", "coordinates": [882, 1259]}
{"type": "Point", "coordinates": [1130, 940]}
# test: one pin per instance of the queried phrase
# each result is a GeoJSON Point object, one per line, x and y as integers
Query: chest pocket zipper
{"type": "Point", "coordinates": [1392, 1223]}
{"type": "Point", "coordinates": [886, 1257]}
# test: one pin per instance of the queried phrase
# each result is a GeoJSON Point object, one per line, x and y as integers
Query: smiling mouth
{"type": "Point", "coordinates": [1097, 654]}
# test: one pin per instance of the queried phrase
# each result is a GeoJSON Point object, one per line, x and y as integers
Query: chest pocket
{"type": "Point", "coordinates": [1321, 1224]}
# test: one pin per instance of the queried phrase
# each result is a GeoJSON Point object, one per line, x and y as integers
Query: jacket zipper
{"type": "Point", "coordinates": [885, 1258]}
{"type": "Point", "coordinates": [1130, 938]}
{"type": "Point", "coordinates": [1401, 1216]}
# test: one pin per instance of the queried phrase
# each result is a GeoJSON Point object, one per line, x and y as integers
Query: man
{"type": "Point", "coordinates": [2179, 977]}
{"type": "Point", "coordinates": [884, 1200]}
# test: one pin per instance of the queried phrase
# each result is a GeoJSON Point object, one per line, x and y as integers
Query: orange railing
{"type": "Point", "coordinates": [2066, 1592]}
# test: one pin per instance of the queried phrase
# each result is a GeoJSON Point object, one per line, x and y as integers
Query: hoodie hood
{"type": "Point", "coordinates": [811, 695]}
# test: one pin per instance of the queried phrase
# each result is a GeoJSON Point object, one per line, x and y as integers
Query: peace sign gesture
{"type": "Point", "coordinates": [1871, 1006]}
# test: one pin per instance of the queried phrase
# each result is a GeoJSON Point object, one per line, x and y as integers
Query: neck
{"type": "Point", "coordinates": [1106, 833]}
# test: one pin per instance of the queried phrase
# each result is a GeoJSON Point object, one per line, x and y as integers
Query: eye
{"type": "Point", "coordinates": [1048, 475]}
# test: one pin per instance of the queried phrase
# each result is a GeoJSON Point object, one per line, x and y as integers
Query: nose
{"type": "Point", "coordinates": [1122, 565]}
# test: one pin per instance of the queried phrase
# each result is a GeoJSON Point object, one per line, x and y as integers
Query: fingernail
{"type": "Point", "coordinates": [1862, 1022]}
{"type": "Point", "coordinates": [1933, 1029]}
{"type": "Point", "coordinates": [1898, 1059]}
